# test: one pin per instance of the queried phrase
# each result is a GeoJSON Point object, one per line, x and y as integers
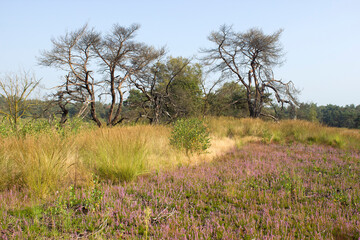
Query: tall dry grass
{"type": "Point", "coordinates": [46, 163]}
{"type": "Point", "coordinates": [286, 131]}
{"type": "Point", "coordinates": [40, 165]}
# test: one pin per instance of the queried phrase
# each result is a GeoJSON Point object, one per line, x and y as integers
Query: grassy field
{"type": "Point", "coordinates": [291, 179]}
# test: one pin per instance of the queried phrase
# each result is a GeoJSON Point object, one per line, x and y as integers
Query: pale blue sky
{"type": "Point", "coordinates": [321, 38]}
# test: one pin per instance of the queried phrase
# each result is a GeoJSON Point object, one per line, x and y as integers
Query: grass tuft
{"type": "Point", "coordinates": [115, 155]}
{"type": "Point", "coordinates": [41, 165]}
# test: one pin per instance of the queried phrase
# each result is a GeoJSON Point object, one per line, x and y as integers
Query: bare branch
{"type": "Point", "coordinates": [16, 89]}
{"type": "Point", "coordinates": [250, 55]}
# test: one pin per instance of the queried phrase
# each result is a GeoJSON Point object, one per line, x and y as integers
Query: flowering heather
{"type": "Point", "coordinates": [256, 192]}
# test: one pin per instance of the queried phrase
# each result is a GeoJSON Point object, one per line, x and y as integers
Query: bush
{"type": "Point", "coordinates": [190, 135]}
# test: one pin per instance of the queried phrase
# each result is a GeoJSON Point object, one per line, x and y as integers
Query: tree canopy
{"type": "Point", "coordinates": [170, 90]}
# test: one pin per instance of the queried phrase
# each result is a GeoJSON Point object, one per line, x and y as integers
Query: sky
{"type": "Point", "coordinates": [321, 38]}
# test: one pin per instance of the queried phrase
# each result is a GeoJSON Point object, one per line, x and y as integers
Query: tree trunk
{"type": "Point", "coordinates": [113, 98]}
{"type": "Point", "coordinates": [93, 114]}
{"type": "Point", "coordinates": [157, 111]}
{"type": "Point", "coordinates": [63, 115]}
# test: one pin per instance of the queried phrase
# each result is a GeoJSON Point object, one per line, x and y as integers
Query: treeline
{"type": "Point", "coordinates": [111, 78]}
{"type": "Point", "coordinates": [330, 115]}
{"type": "Point", "coordinates": [229, 99]}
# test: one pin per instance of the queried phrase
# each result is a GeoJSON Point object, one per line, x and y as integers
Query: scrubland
{"type": "Point", "coordinates": [259, 179]}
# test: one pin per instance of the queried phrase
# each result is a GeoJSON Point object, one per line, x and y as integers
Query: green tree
{"type": "Point", "coordinates": [331, 115]}
{"type": "Point", "coordinates": [307, 111]}
{"type": "Point", "coordinates": [135, 104]}
{"type": "Point", "coordinates": [171, 90]}
{"type": "Point", "coordinates": [348, 116]}
{"type": "Point", "coordinates": [185, 93]}
{"type": "Point", "coordinates": [229, 100]}
{"type": "Point", "coordinates": [357, 120]}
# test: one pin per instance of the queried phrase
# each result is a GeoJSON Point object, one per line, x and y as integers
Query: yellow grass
{"type": "Point", "coordinates": [284, 132]}
{"type": "Point", "coordinates": [40, 165]}
{"type": "Point", "coordinates": [49, 162]}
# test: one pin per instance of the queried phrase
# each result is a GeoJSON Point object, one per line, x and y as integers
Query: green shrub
{"type": "Point", "coordinates": [190, 135]}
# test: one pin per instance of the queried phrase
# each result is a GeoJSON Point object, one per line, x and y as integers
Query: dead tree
{"type": "Point", "coordinates": [121, 58]}
{"type": "Point", "coordinates": [249, 57]}
{"type": "Point", "coordinates": [99, 65]}
{"type": "Point", "coordinates": [15, 89]}
{"type": "Point", "coordinates": [72, 53]}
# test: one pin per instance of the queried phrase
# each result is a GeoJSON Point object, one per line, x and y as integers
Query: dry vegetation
{"type": "Point", "coordinates": [39, 169]}
{"type": "Point", "coordinates": [45, 163]}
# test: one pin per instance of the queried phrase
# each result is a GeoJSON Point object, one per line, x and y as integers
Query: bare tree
{"type": "Point", "coordinates": [250, 57]}
{"type": "Point", "coordinates": [98, 65]}
{"type": "Point", "coordinates": [16, 89]}
{"type": "Point", "coordinates": [72, 53]}
{"type": "Point", "coordinates": [122, 58]}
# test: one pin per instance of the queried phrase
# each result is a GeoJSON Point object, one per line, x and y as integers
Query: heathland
{"type": "Point", "coordinates": [135, 144]}
{"type": "Point", "coordinates": [257, 179]}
